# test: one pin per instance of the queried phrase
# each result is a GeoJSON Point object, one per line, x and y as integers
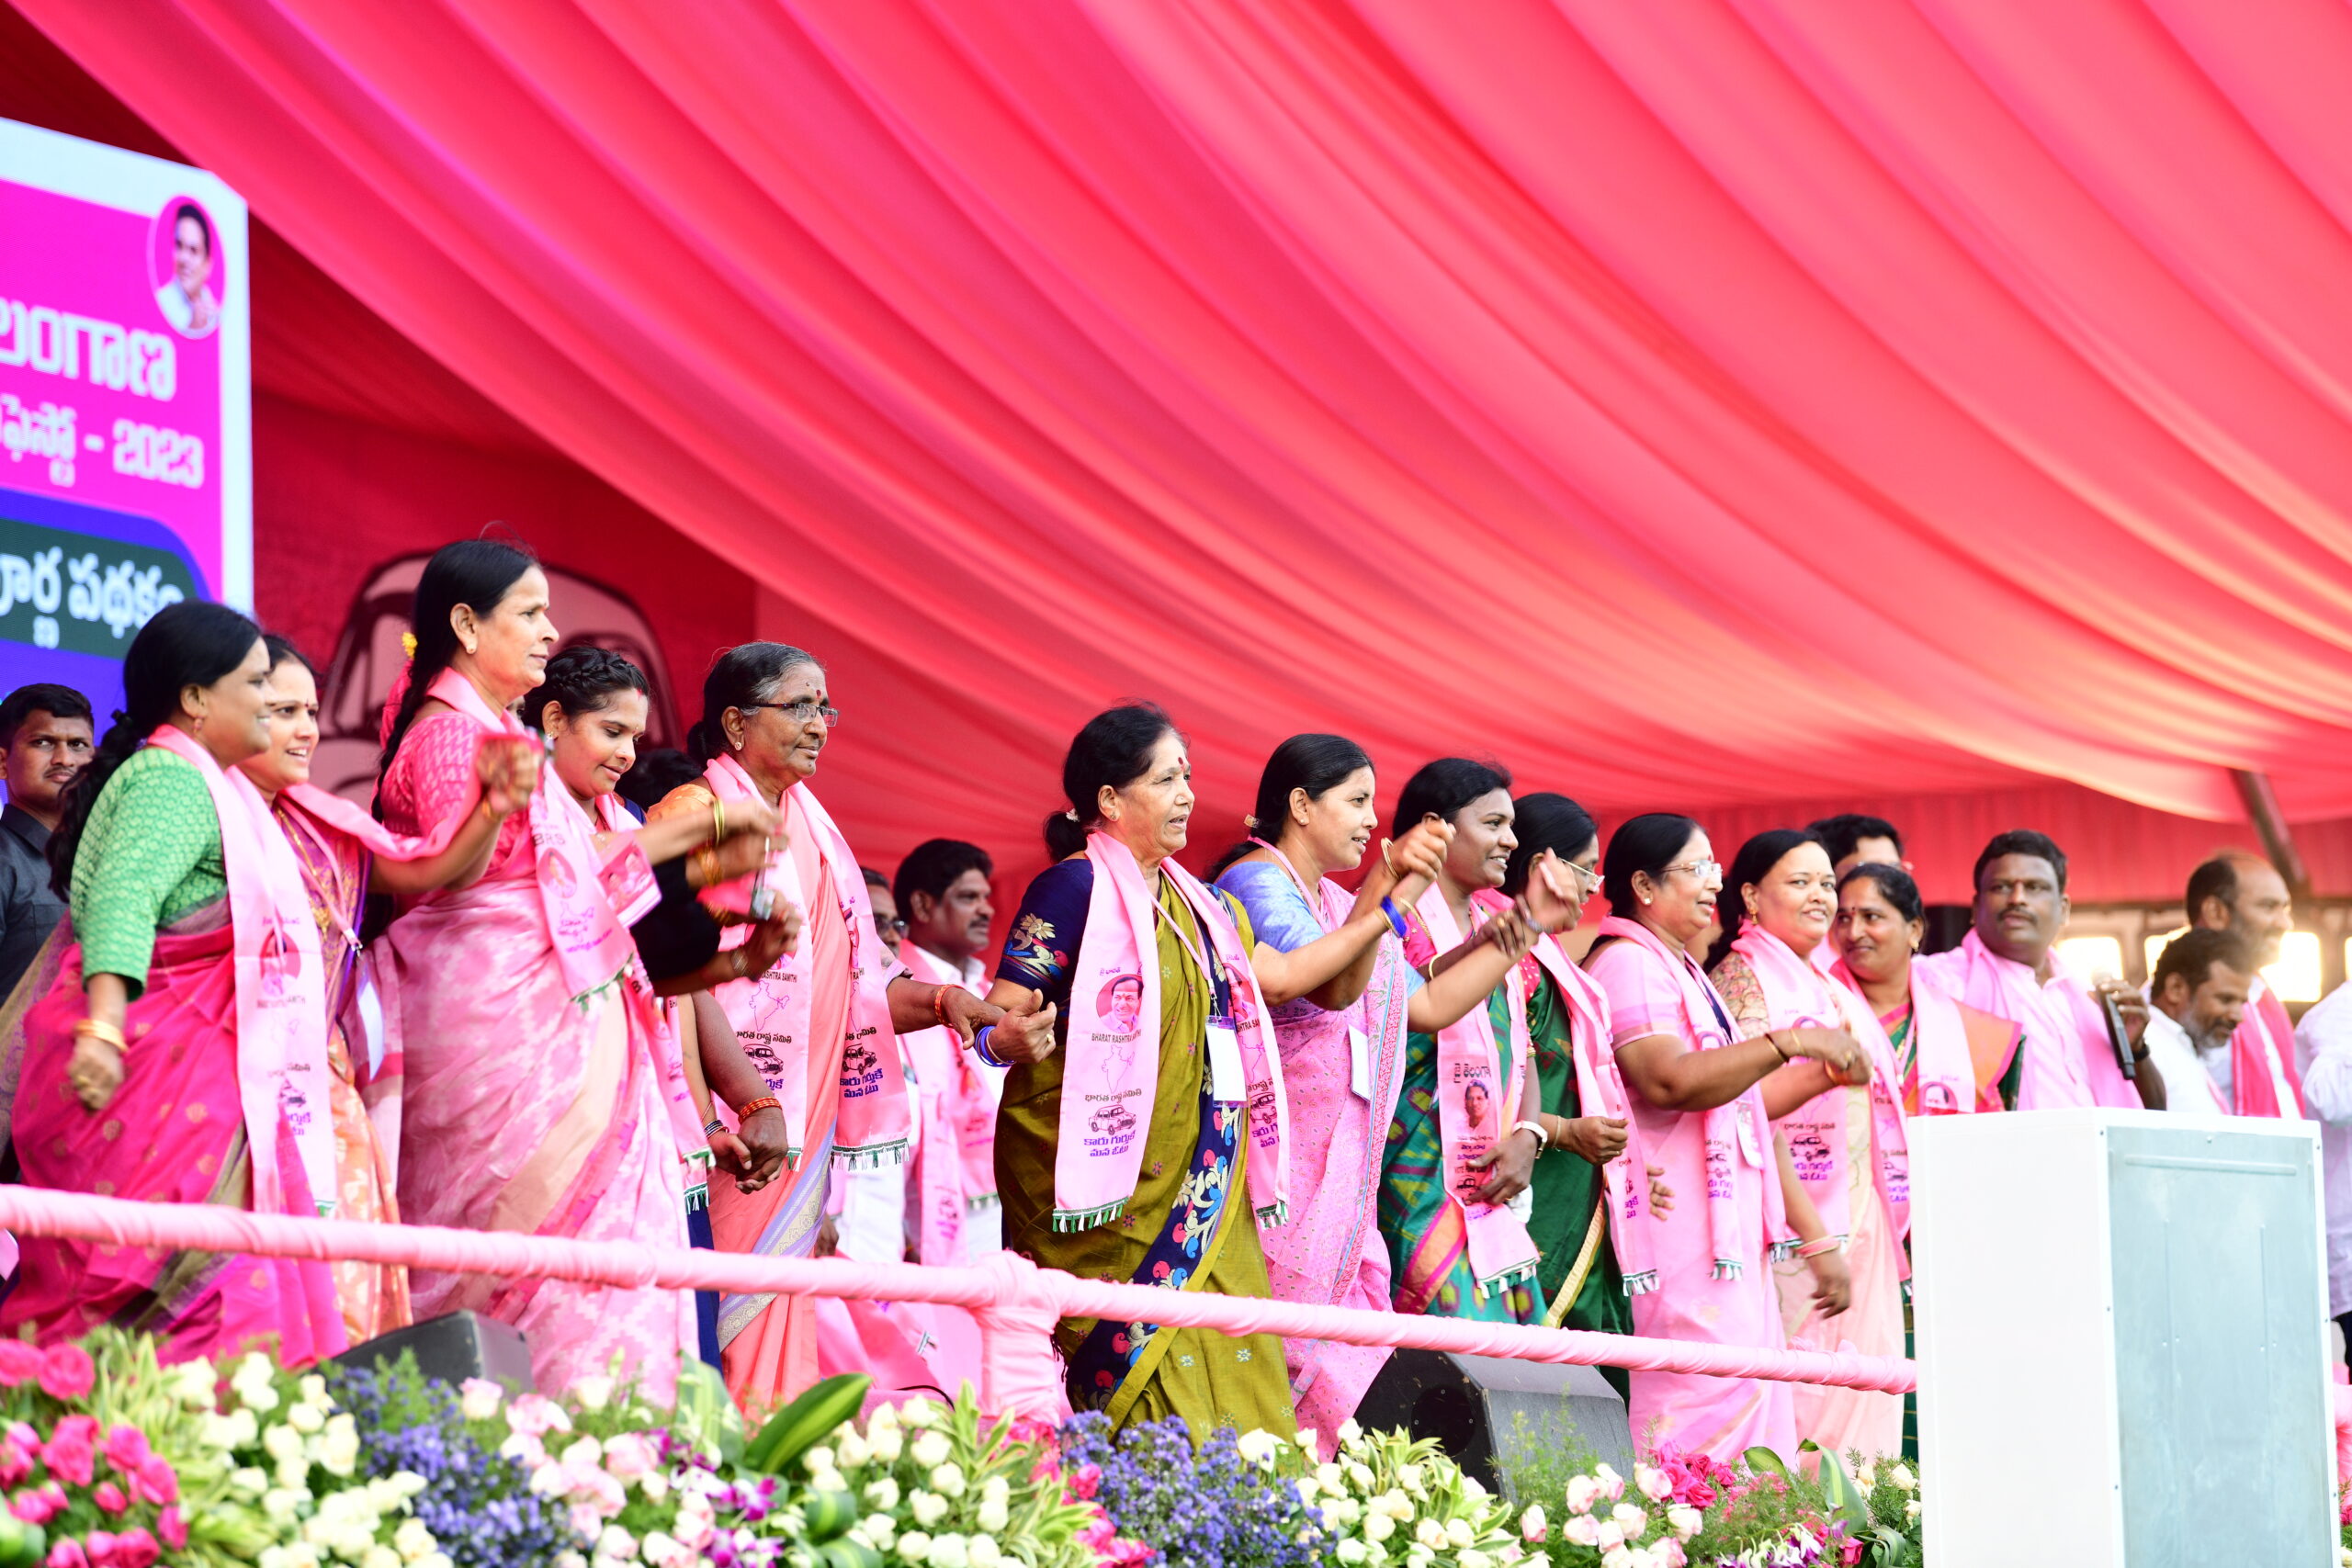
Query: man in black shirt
{"type": "Point", "coordinates": [45, 742]}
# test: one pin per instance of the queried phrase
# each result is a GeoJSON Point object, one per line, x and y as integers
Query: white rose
{"type": "Point", "coordinates": [1459, 1533]}
{"type": "Point", "coordinates": [281, 1503]}
{"type": "Point", "coordinates": [928, 1507]}
{"type": "Point", "coordinates": [1911, 1509]}
{"type": "Point", "coordinates": [1309, 1439]}
{"type": "Point", "coordinates": [1409, 1477]}
{"type": "Point", "coordinates": [1472, 1487]}
{"type": "Point", "coordinates": [1473, 1558]}
{"type": "Point", "coordinates": [1307, 1489]}
{"type": "Point", "coordinates": [884, 1444]}
{"type": "Point", "coordinates": [914, 1547]}
{"type": "Point", "coordinates": [1610, 1536]}
{"type": "Point", "coordinates": [1360, 1476]}
{"type": "Point", "coordinates": [592, 1393]}
{"type": "Point", "coordinates": [479, 1399]}
{"type": "Point", "coordinates": [948, 1551]}
{"type": "Point", "coordinates": [1379, 1528]}
{"type": "Point", "coordinates": [355, 1543]}
{"type": "Point", "coordinates": [829, 1481]}
{"type": "Point", "coordinates": [654, 1484]}
{"type": "Point", "coordinates": [1583, 1492]}
{"type": "Point", "coordinates": [583, 1451]}
{"type": "Point", "coordinates": [930, 1449]}
{"type": "Point", "coordinates": [1653, 1483]}
{"type": "Point", "coordinates": [982, 1552]}
{"type": "Point", "coordinates": [1581, 1529]}
{"type": "Point", "coordinates": [617, 1542]}
{"type": "Point", "coordinates": [880, 1530]}
{"type": "Point", "coordinates": [1430, 1533]}
{"type": "Point", "coordinates": [948, 1481]}
{"type": "Point", "coordinates": [920, 1413]}
{"type": "Point", "coordinates": [441, 1559]}
{"type": "Point", "coordinates": [249, 1481]}
{"type": "Point", "coordinates": [1684, 1520]}
{"type": "Point", "coordinates": [1259, 1446]}
{"type": "Point", "coordinates": [525, 1449]}
{"type": "Point", "coordinates": [998, 1488]}
{"type": "Point", "coordinates": [413, 1541]}
{"type": "Point", "coordinates": [1349, 1433]}
{"type": "Point", "coordinates": [660, 1550]}
{"type": "Point", "coordinates": [1902, 1477]}
{"type": "Point", "coordinates": [282, 1443]}
{"type": "Point", "coordinates": [996, 1513]}
{"type": "Point", "coordinates": [1617, 1557]}
{"type": "Point", "coordinates": [1612, 1486]}
{"type": "Point", "coordinates": [883, 1494]}
{"type": "Point", "coordinates": [1531, 1523]}
{"type": "Point", "coordinates": [1630, 1519]}
{"type": "Point", "coordinates": [818, 1459]}
{"type": "Point", "coordinates": [1351, 1551]}
{"type": "Point", "coordinates": [339, 1452]}
{"type": "Point", "coordinates": [549, 1478]}
{"type": "Point", "coordinates": [302, 1555]}
{"type": "Point", "coordinates": [885, 1418]}
{"type": "Point", "coordinates": [852, 1452]}
{"type": "Point", "coordinates": [1399, 1506]}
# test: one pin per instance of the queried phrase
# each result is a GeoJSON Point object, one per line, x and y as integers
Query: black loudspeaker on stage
{"type": "Point", "coordinates": [452, 1348]}
{"type": "Point", "coordinates": [1486, 1412]}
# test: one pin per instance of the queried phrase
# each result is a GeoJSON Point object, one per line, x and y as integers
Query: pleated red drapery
{"type": "Point", "coordinates": [1699, 402]}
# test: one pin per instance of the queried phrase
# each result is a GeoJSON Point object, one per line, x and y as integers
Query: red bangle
{"type": "Point", "coordinates": [939, 1005]}
{"type": "Point", "coordinates": [744, 1111]}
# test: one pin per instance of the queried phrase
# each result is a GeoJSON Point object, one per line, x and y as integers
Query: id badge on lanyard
{"type": "Point", "coordinates": [1227, 1084]}
{"type": "Point", "coordinates": [1359, 1063]}
{"type": "Point", "coordinates": [1751, 1146]}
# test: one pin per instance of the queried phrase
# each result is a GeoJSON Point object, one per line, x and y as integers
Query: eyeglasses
{"type": "Point", "coordinates": [890, 928]}
{"type": "Point", "coordinates": [1701, 869]}
{"type": "Point", "coordinates": [800, 712]}
{"type": "Point", "coordinates": [1591, 878]}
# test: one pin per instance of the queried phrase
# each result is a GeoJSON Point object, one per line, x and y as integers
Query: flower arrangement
{"type": "Point", "coordinates": [110, 1460]}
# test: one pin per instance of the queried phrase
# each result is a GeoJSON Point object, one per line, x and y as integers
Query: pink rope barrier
{"type": "Point", "coordinates": [1015, 1301]}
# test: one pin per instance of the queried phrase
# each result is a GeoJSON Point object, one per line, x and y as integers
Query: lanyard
{"type": "Point", "coordinates": [1220, 1000]}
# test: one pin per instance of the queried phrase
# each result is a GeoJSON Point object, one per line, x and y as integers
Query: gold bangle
{"type": "Point", "coordinates": [101, 1030]}
{"type": "Point", "coordinates": [717, 820]}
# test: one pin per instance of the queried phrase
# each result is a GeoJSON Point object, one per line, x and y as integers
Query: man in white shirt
{"type": "Point", "coordinates": [2197, 998]}
{"type": "Point", "coordinates": [2243, 895]}
{"type": "Point", "coordinates": [2324, 1051]}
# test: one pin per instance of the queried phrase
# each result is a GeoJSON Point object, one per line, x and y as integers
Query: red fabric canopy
{"type": "Point", "coordinates": [1692, 404]}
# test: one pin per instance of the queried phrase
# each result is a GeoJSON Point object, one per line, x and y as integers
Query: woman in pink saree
{"type": "Point", "coordinates": [1848, 1142]}
{"type": "Point", "coordinates": [1703, 1120]}
{"type": "Point", "coordinates": [1342, 1038]}
{"type": "Point", "coordinates": [533, 1097]}
{"type": "Point", "coordinates": [178, 1053]}
{"type": "Point", "coordinates": [817, 1023]}
{"type": "Point", "coordinates": [342, 855]}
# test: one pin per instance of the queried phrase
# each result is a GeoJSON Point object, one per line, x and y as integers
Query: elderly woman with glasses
{"type": "Point", "coordinates": [1699, 1114]}
{"type": "Point", "coordinates": [820, 1022]}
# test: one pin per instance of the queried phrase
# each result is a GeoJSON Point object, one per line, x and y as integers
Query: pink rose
{"type": "Point", "coordinates": [110, 1497]}
{"type": "Point", "coordinates": [19, 1363]}
{"type": "Point", "coordinates": [38, 1505]}
{"type": "Point", "coordinates": [175, 1527]}
{"type": "Point", "coordinates": [15, 1464]}
{"type": "Point", "coordinates": [535, 1415]}
{"type": "Point", "coordinates": [157, 1482]}
{"type": "Point", "coordinates": [1085, 1480]}
{"type": "Point", "coordinates": [72, 1451]}
{"type": "Point", "coordinates": [628, 1457]}
{"type": "Point", "coordinates": [66, 1372]}
{"type": "Point", "coordinates": [68, 1553]}
{"type": "Point", "coordinates": [134, 1548]}
{"type": "Point", "coordinates": [24, 1436]}
{"type": "Point", "coordinates": [99, 1546]}
{"type": "Point", "coordinates": [127, 1448]}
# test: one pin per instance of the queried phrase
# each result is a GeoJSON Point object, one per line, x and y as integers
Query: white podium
{"type": "Point", "coordinates": [2122, 1324]}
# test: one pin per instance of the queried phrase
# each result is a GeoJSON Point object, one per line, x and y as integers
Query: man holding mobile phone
{"type": "Point", "coordinates": [2083, 1040]}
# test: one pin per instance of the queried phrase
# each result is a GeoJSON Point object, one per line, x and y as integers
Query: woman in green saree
{"type": "Point", "coordinates": [1145, 1143]}
{"type": "Point", "coordinates": [1453, 1201]}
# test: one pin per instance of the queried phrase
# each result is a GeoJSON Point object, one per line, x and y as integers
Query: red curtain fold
{"type": "Point", "coordinates": [1695, 404]}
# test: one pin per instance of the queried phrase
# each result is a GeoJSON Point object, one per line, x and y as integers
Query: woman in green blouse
{"type": "Point", "coordinates": [129, 1083]}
